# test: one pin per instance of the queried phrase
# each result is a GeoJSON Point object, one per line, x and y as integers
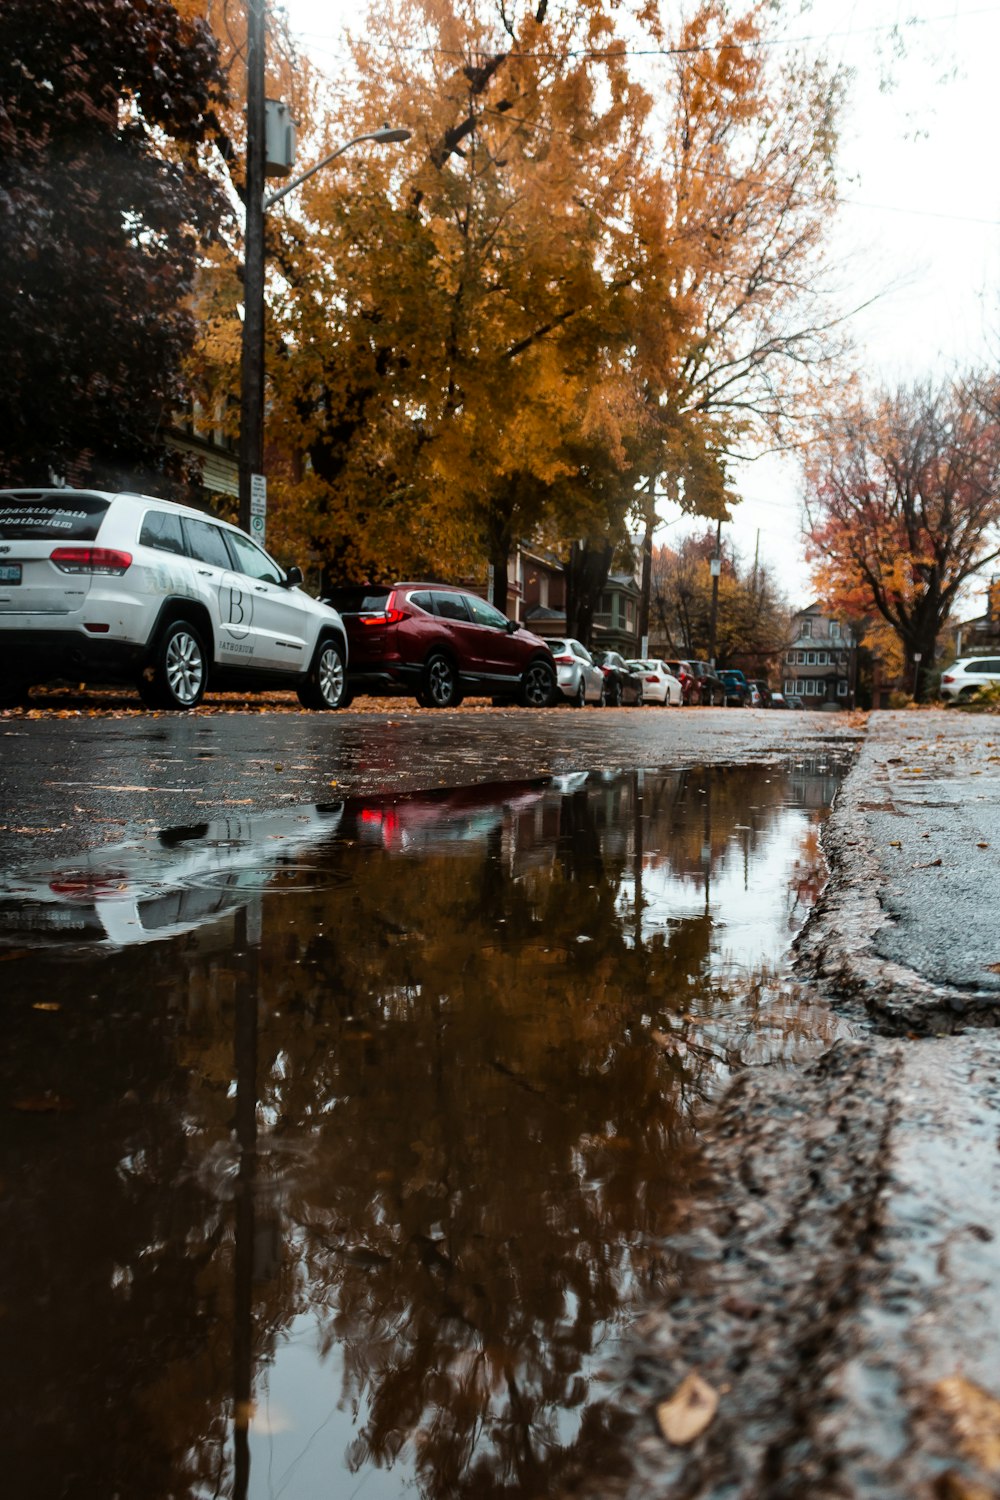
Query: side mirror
{"type": "Point", "coordinates": [513, 625]}
{"type": "Point", "coordinates": [293, 577]}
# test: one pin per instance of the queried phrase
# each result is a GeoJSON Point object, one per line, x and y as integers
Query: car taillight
{"type": "Point", "coordinates": [652, 677]}
{"type": "Point", "coordinates": [384, 617]}
{"type": "Point", "coordinates": [91, 560]}
{"type": "Point", "coordinates": [947, 677]}
{"type": "Point", "coordinates": [564, 661]}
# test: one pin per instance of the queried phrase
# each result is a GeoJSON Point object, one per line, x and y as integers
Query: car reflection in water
{"type": "Point", "coordinates": [369, 1175]}
{"type": "Point", "coordinates": [162, 887]}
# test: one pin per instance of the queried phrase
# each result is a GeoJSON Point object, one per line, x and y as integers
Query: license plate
{"type": "Point", "coordinates": [10, 572]}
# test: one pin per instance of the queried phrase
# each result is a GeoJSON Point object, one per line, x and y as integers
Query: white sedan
{"type": "Point", "coordinates": [658, 684]}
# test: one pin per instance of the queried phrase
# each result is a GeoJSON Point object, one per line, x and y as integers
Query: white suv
{"type": "Point", "coordinates": [127, 588]}
{"type": "Point", "coordinates": [963, 677]}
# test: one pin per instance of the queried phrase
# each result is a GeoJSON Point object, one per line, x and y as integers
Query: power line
{"type": "Point", "coordinates": [608, 54]}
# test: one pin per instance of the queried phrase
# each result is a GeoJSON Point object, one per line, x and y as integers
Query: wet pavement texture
{"type": "Point", "coordinates": [346, 1139]}
{"type": "Point", "coordinates": [69, 783]}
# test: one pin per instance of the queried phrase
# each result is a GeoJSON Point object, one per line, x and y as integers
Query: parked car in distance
{"type": "Point", "coordinates": [794, 701]}
{"type": "Point", "coordinates": [580, 680]}
{"type": "Point", "coordinates": [738, 693]}
{"type": "Point", "coordinates": [439, 644]}
{"type": "Point", "coordinates": [763, 691]}
{"type": "Point", "coordinates": [964, 678]}
{"type": "Point", "coordinates": [709, 688]}
{"type": "Point", "coordinates": [113, 587]}
{"type": "Point", "coordinates": [688, 681]}
{"type": "Point", "coordinates": [658, 684]}
{"type": "Point", "coordinates": [778, 700]}
{"type": "Point", "coordinates": [622, 682]}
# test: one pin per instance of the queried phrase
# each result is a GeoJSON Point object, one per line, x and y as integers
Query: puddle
{"type": "Point", "coordinates": [342, 1143]}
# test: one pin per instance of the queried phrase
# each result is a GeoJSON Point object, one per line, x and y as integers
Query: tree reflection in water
{"type": "Point", "coordinates": [477, 1052]}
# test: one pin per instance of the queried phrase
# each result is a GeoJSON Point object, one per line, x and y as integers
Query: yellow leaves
{"type": "Point", "coordinates": [688, 1412]}
{"type": "Point", "coordinates": [975, 1419]}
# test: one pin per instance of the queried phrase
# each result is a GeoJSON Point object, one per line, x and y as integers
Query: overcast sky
{"type": "Point", "coordinates": [919, 219]}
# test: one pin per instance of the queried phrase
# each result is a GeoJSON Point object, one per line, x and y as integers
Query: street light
{"type": "Point", "coordinates": [387, 135]}
{"type": "Point", "coordinates": [251, 448]}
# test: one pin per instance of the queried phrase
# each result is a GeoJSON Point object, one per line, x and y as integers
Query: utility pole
{"type": "Point", "coordinates": [646, 585]}
{"type": "Point", "coordinates": [251, 449]}
{"type": "Point", "coordinates": [716, 566]}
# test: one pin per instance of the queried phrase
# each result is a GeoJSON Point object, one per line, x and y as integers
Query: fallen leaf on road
{"type": "Point", "coordinates": [46, 1005]}
{"type": "Point", "coordinates": [982, 845]}
{"type": "Point", "coordinates": [43, 1104]}
{"type": "Point", "coordinates": [931, 863]}
{"type": "Point", "coordinates": [975, 1419]}
{"type": "Point", "coordinates": [688, 1412]}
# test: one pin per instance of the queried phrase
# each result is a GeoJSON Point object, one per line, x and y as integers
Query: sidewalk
{"type": "Point", "coordinates": [846, 1269]}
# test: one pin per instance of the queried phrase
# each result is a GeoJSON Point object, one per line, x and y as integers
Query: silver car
{"type": "Point", "coordinates": [580, 681]}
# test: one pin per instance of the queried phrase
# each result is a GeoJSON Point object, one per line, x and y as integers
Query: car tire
{"type": "Point", "coordinates": [538, 685]}
{"type": "Point", "coordinates": [602, 701]}
{"type": "Point", "coordinates": [441, 687]}
{"type": "Point", "coordinates": [579, 698]}
{"type": "Point", "coordinates": [325, 688]}
{"type": "Point", "coordinates": [639, 701]}
{"type": "Point", "coordinates": [177, 674]}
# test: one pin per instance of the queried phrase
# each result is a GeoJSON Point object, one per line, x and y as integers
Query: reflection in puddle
{"type": "Point", "coordinates": [352, 1180]}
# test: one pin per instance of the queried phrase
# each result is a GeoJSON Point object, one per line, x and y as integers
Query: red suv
{"type": "Point", "coordinates": [440, 643]}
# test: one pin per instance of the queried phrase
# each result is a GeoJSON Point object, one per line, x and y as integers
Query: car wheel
{"type": "Point", "coordinates": [538, 687]}
{"type": "Point", "coordinates": [580, 696]}
{"type": "Point", "coordinates": [326, 685]}
{"type": "Point", "coordinates": [176, 675]}
{"type": "Point", "coordinates": [639, 700]}
{"type": "Point", "coordinates": [602, 701]}
{"type": "Point", "coordinates": [441, 686]}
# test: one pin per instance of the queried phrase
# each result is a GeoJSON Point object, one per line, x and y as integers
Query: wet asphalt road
{"type": "Point", "coordinates": [845, 1264]}
{"type": "Point", "coordinates": [68, 784]}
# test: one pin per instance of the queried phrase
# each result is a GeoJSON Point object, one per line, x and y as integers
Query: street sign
{"type": "Point", "coordinates": [258, 525]}
{"type": "Point", "coordinates": [258, 495]}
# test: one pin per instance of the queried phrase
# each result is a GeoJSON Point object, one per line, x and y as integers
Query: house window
{"type": "Point", "coordinates": [809, 687]}
{"type": "Point", "coordinates": [604, 607]}
{"type": "Point", "coordinates": [835, 630]}
{"type": "Point", "coordinates": [789, 687]}
{"type": "Point", "coordinates": [790, 656]}
{"type": "Point", "coordinates": [842, 688]}
{"type": "Point", "coordinates": [810, 658]}
{"type": "Point", "coordinates": [807, 628]}
{"type": "Point", "coordinates": [629, 613]}
{"type": "Point", "coordinates": [822, 658]}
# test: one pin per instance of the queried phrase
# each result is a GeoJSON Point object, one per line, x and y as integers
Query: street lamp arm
{"type": "Point", "coordinates": [384, 136]}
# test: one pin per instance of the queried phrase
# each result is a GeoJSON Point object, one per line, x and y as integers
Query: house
{"type": "Point", "coordinates": [616, 619]}
{"type": "Point", "coordinates": [820, 663]}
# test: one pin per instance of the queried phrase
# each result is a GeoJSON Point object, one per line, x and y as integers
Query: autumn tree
{"type": "Point", "coordinates": [106, 109]}
{"type": "Point", "coordinates": [903, 504]}
{"type": "Point", "coordinates": [752, 614]}
{"type": "Point", "coordinates": [739, 317]}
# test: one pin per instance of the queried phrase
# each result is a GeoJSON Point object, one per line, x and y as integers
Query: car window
{"type": "Point", "coordinates": [422, 600]}
{"type": "Point", "coordinates": [558, 648]}
{"type": "Point", "coordinates": [485, 614]}
{"type": "Point", "coordinates": [162, 529]}
{"type": "Point", "coordinates": [251, 560]}
{"type": "Point", "coordinates": [582, 652]}
{"type": "Point", "coordinates": [206, 543]}
{"type": "Point", "coordinates": [28, 516]}
{"type": "Point", "coordinates": [361, 599]}
{"type": "Point", "coordinates": [983, 666]}
{"type": "Point", "coordinates": [451, 607]}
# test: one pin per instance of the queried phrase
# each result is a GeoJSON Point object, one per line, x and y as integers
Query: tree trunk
{"type": "Point", "coordinates": [586, 574]}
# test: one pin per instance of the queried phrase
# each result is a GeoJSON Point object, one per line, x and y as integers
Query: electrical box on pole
{"type": "Point", "coordinates": [279, 139]}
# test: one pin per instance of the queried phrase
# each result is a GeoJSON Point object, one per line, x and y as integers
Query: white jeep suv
{"type": "Point", "coordinates": [128, 588]}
